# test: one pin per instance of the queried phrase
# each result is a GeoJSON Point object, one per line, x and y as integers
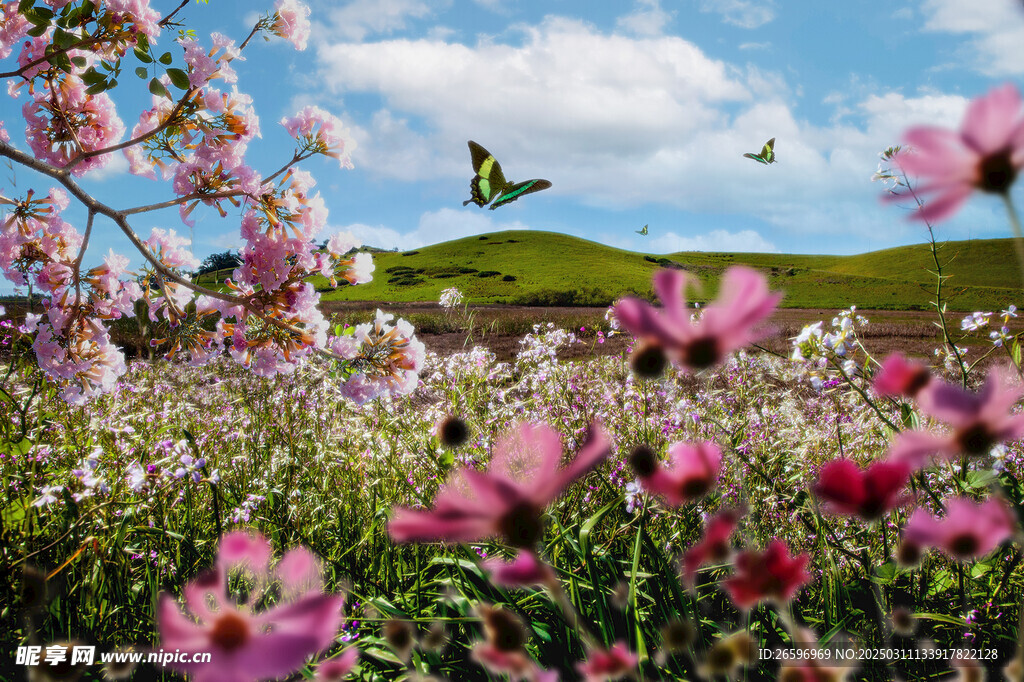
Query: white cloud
{"type": "Point", "coordinates": [434, 227]}
{"type": "Point", "coordinates": [742, 13]}
{"type": "Point", "coordinates": [755, 46]}
{"type": "Point", "coordinates": [648, 19]}
{"type": "Point", "coordinates": [744, 241]}
{"type": "Point", "coordinates": [359, 18]}
{"type": "Point", "coordinates": [996, 27]}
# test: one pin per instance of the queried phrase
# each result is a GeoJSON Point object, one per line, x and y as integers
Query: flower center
{"type": "Point", "coordinates": [964, 545]}
{"type": "Point", "coordinates": [504, 630]}
{"type": "Point", "coordinates": [996, 172]}
{"type": "Point", "coordinates": [917, 381]}
{"type": "Point", "coordinates": [695, 487]}
{"type": "Point", "coordinates": [643, 460]}
{"type": "Point", "coordinates": [230, 632]}
{"type": "Point", "coordinates": [649, 361]}
{"type": "Point", "coordinates": [521, 525]}
{"type": "Point", "coordinates": [701, 353]}
{"type": "Point", "coordinates": [975, 439]}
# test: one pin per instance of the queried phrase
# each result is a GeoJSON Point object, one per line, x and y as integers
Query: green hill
{"type": "Point", "coordinates": [545, 268]}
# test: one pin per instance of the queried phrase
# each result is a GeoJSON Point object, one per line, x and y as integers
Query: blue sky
{"type": "Point", "coordinates": [637, 112]}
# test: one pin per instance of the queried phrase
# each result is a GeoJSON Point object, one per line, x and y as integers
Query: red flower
{"type": "Point", "coordinates": [869, 494]}
{"type": "Point", "coordinates": [609, 664]}
{"type": "Point", "coordinates": [900, 377]}
{"type": "Point", "coordinates": [714, 546]}
{"type": "Point", "coordinates": [772, 574]}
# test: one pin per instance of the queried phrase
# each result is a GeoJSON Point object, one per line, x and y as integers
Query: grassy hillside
{"type": "Point", "coordinates": [545, 268]}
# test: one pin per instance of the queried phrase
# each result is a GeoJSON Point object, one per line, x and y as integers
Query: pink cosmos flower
{"type": "Point", "coordinates": [247, 645]}
{"type": "Point", "coordinates": [985, 154]}
{"type": "Point", "coordinates": [609, 664]}
{"type": "Point", "coordinates": [869, 494]}
{"type": "Point", "coordinates": [509, 499]}
{"type": "Point", "coordinates": [771, 574]}
{"type": "Point", "coordinates": [979, 420]}
{"type": "Point", "coordinates": [726, 324]}
{"type": "Point", "coordinates": [714, 546]}
{"type": "Point", "coordinates": [969, 530]}
{"type": "Point", "coordinates": [899, 377]}
{"type": "Point", "coordinates": [337, 669]}
{"type": "Point", "coordinates": [525, 570]}
{"type": "Point", "coordinates": [692, 474]}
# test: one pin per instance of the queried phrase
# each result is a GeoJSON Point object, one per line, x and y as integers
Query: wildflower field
{"type": "Point", "coordinates": [222, 479]}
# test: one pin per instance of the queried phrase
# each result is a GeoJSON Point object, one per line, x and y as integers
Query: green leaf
{"type": "Point", "coordinates": [96, 89]}
{"type": "Point", "coordinates": [143, 56]}
{"type": "Point", "coordinates": [141, 71]}
{"type": "Point", "coordinates": [92, 76]}
{"type": "Point", "coordinates": [179, 78]}
{"type": "Point", "coordinates": [166, 58]}
{"type": "Point", "coordinates": [158, 89]}
{"type": "Point", "coordinates": [1016, 351]}
{"type": "Point", "coordinates": [80, 62]}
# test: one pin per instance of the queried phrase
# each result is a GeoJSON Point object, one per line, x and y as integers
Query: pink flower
{"type": "Point", "coordinates": [609, 664]}
{"type": "Point", "coordinates": [979, 420]}
{"type": "Point", "coordinates": [726, 324]}
{"type": "Point", "coordinates": [986, 154]}
{"type": "Point", "coordinates": [900, 377]}
{"type": "Point", "coordinates": [692, 474]}
{"type": "Point", "coordinates": [291, 22]}
{"type": "Point", "coordinates": [337, 669]}
{"type": "Point", "coordinates": [771, 574]}
{"type": "Point", "coordinates": [247, 645]}
{"type": "Point", "coordinates": [509, 499]}
{"type": "Point", "coordinates": [525, 570]}
{"type": "Point", "coordinates": [714, 546]}
{"type": "Point", "coordinates": [969, 530]}
{"type": "Point", "coordinates": [869, 494]}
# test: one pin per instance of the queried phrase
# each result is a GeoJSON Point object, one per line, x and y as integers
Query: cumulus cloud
{"type": "Point", "coordinates": [744, 241]}
{"type": "Point", "coordinates": [434, 227]}
{"type": "Point", "coordinates": [742, 13]}
{"type": "Point", "coordinates": [647, 19]}
{"type": "Point", "coordinates": [995, 27]}
{"type": "Point", "coordinates": [360, 18]}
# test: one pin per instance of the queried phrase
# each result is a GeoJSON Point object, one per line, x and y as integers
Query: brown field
{"type": "Point", "coordinates": [500, 327]}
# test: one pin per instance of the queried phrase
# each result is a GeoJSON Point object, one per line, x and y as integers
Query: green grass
{"type": "Point", "coordinates": [557, 269]}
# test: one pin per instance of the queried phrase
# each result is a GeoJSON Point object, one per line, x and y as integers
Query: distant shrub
{"type": "Point", "coordinates": [508, 278]}
{"type": "Point", "coordinates": [446, 275]}
{"type": "Point", "coordinates": [405, 280]}
{"type": "Point", "coordinates": [467, 271]}
{"type": "Point", "coordinates": [512, 241]}
{"type": "Point", "coordinates": [488, 273]}
{"type": "Point", "coordinates": [484, 237]}
{"type": "Point", "coordinates": [650, 259]}
{"type": "Point", "coordinates": [410, 253]}
{"type": "Point", "coordinates": [588, 297]}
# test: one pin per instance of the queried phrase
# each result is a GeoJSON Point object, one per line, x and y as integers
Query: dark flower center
{"type": "Point", "coordinates": [701, 353]}
{"type": "Point", "coordinates": [504, 630]}
{"type": "Point", "coordinates": [718, 551]}
{"type": "Point", "coordinates": [695, 487]}
{"type": "Point", "coordinates": [230, 632]}
{"type": "Point", "coordinates": [398, 634]}
{"type": "Point", "coordinates": [644, 461]}
{"type": "Point", "coordinates": [916, 381]}
{"type": "Point", "coordinates": [649, 361]}
{"type": "Point", "coordinates": [975, 439]}
{"type": "Point", "coordinates": [521, 525]}
{"type": "Point", "coordinates": [964, 545]}
{"type": "Point", "coordinates": [453, 432]}
{"type": "Point", "coordinates": [996, 172]}
{"type": "Point", "coordinates": [908, 553]}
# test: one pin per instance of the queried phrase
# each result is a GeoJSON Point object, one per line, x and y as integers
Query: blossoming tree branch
{"type": "Point", "coordinates": [195, 136]}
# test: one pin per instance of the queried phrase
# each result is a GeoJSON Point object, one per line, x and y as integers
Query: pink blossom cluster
{"type": "Point", "coordinates": [291, 22]}
{"type": "Point", "coordinates": [13, 27]}
{"type": "Point", "coordinates": [321, 132]}
{"type": "Point", "coordinates": [383, 358]}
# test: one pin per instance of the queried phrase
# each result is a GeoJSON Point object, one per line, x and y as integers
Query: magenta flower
{"type": "Point", "coordinates": [608, 664]}
{"type": "Point", "coordinates": [509, 499]}
{"type": "Point", "coordinates": [714, 546]}
{"type": "Point", "coordinates": [771, 574]}
{"type": "Point", "coordinates": [979, 420]}
{"type": "Point", "coordinates": [969, 530]}
{"type": "Point", "coordinates": [869, 494]}
{"type": "Point", "coordinates": [337, 669]}
{"type": "Point", "coordinates": [726, 324]}
{"type": "Point", "coordinates": [692, 474]}
{"type": "Point", "coordinates": [986, 154]}
{"type": "Point", "coordinates": [248, 645]}
{"type": "Point", "coordinates": [525, 570]}
{"type": "Point", "coordinates": [899, 377]}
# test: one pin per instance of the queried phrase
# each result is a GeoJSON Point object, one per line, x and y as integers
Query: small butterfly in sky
{"type": "Point", "coordinates": [767, 154]}
{"type": "Point", "coordinates": [489, 184]}
{"type": "Point", "coordinates": [642, 232]}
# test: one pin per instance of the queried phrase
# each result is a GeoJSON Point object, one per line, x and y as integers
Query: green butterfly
{"type": "Point", "coordinates": [767, 154]}
{"type": "Point", "coordinates": [489, 184]}
{"type": "Point", "coordinates": [643, 231]}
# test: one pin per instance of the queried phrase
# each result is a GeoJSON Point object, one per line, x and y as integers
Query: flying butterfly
{"type": "Point", "coordinates": [767, 154]}
{"type": "Point", "coordinates": [489, 186]}
{"type": "Point", "coordinates": [642, 232]}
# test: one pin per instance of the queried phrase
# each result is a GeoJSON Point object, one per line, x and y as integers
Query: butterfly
{"type": "Point", "coordinates": [643, 231]}
{"type": "Point", "coordinates": [767, 154]}
{"type": "Point", "coordinates": [489, 184]}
